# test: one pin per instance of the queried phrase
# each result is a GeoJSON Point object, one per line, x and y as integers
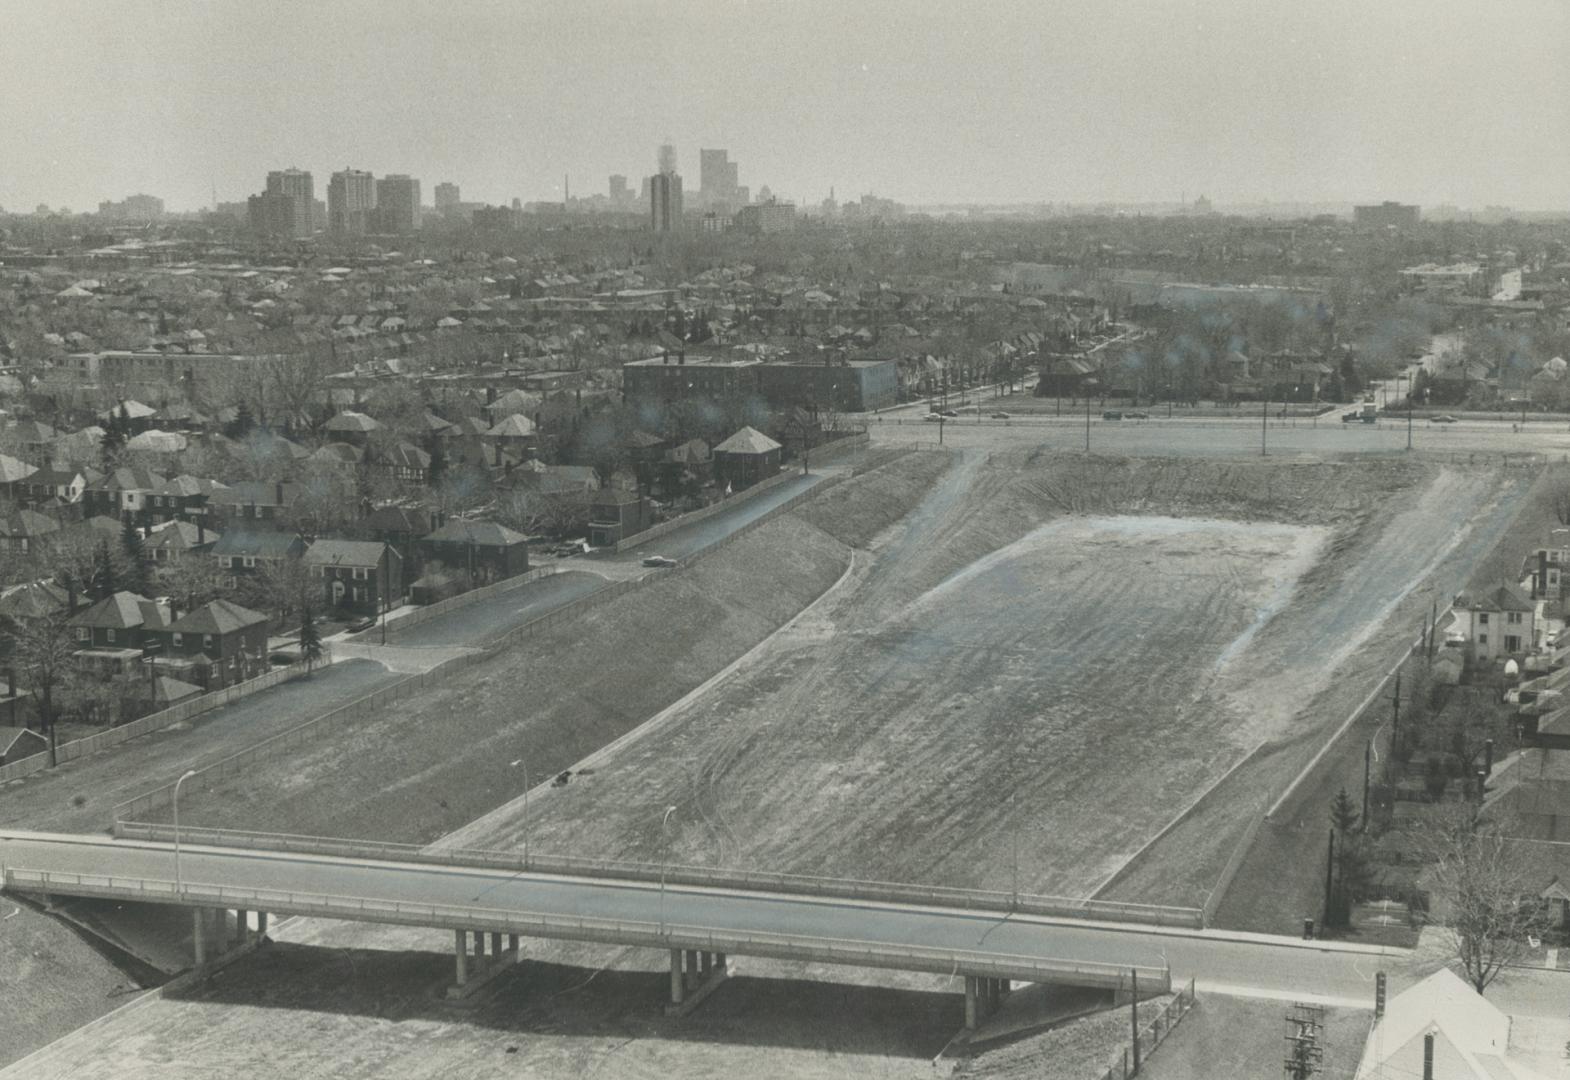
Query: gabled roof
{"type": "Point", "coordinates": [748, 440]}
{"type": "Point", "coordinates": [19, 523]}
{"type": "Point", "coordinates": [515, 426]}
{"type": "Point", "coordinates": [401, 519]}
{"type": "Point", "coordinates": [484, 533]}
{"type": "Point", "coordinates": [217, 617]}
{"type": "Point", "coordinates": [180, 536]}
{"type": "Point", "coordinates": [12, 469]}
{"type": "Point", "coordinates": [1471, 1034]}
{"type": "Point", "coordinates": [691, 452]}
{"type": "Point", "coordinates": [122, 611]}
{"type": "Point", "coordinates": [261, 543]}
{"type": "Point", "coordinates": [1504, 597]}
{"type": "Point", "coordinates": [33, 600]}
{"type": "Point", "coordinates": [642, 440]}
{"type": "Point", "coordinates": [365, 553]}
{"type": "Point", "coordinates": [349, 420]}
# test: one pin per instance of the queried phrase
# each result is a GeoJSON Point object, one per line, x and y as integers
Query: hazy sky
{"type": "Point", "coordinates": [1464, 101]}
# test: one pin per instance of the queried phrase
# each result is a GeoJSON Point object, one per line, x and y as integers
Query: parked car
{"type": "Point", "coordinates": [1137, 415]}
{"type": "Point", "coordinates": [1109, 415]}
{"type": "Point", "coordinates": [1442, 418]}
{"type": "Point", "coordinates": [658, 560]}
{"type": "Point", "coordinates": [1000, 416]}
{"type": "Point", "coordinates": [361, 624]}
{"type": "Point", "coordinates": [934, 418]}
{"type": "Point", "coordinates": [949, 414]}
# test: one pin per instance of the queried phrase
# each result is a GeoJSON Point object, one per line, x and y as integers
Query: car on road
{"type": "Point", "coordinates": [1442, 418]}
{"type": "Point", "coordinates": [1137, 415]}
{"type": "Point", "coordinates": [658, 560]}
{"type": "Point", "coordinates": [1109, 415]}
{"type": "Point", "coordinates": [949, 414]}
{"type": "Point", "coordinates": [1000, 416]}
{"type": "Point", "coordinates": [361, 625]}
{"type": "Point", "coordinates": [934, 418]}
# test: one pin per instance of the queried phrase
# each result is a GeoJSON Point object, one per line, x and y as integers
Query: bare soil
{"type": "Point", "coordinates": [1241, 1037]}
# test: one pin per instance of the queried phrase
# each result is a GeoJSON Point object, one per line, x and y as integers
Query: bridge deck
{"type": "Point", "coordinates": [818, 929]}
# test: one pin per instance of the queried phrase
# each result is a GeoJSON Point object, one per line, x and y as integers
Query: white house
{"type": "Point", "coordinates": [1471, 1036]}
{"type": "Point", "coordinates": [1496, 624]}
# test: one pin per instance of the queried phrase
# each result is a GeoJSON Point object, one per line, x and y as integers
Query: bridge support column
{"type": "Point", "coordinates": [721, 964]}
{"type": "Point", "coordinates": [972, 1010]}
{"type": "Point", "coordinates": [242, 926]}
{"type": "Point", "coordinates": [677, 985]}
{"type": "Point", "coordinates": [199, 935]}
{"type": "Point", "coordinates": [461, 951]}
{"type": "Point", "coordinates": [512, 944]}
{"type": "Point", "coordinates": [261, 924]}
{"type": "Point", "coordinates": [692, 968]}
{"type": "Point", "coordinates": [496, 946]}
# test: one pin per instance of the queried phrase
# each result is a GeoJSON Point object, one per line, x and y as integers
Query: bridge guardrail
{"type": "Point", "coordinates": [627, 932]}
{"type": "Point", "coordinates": [795, 884]}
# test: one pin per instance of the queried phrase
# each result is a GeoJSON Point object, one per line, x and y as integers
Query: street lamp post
{"type": "Point", "coordinates": [527, 824]}
{"type": "Point", "coordinates": [179, 886]}
{"type": "Point", "coordinates": [664, 863]}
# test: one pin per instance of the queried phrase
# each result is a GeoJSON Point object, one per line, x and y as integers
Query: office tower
{"type": "Point", "coordinates": [667, 158]}
{"type": "Point", "coordinates": [447, 197]}
{"type": "Point", "coordinates": [619, 192]}
{"type": "Point", "coordinates": [665, 202]}
{"type": "Point", "coordinates": [296, 185]}
{"type": "Point", "coordinates": [1387, 213]}
{"type": "Point", "coordinates": [398, 203]}
{"type": "Point", "coordinates": [351, 196]}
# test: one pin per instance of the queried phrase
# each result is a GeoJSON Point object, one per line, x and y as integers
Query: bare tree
{"type": "Point", "coordinates": [1559, 495]}
{"type": "Point", "coordinates": [42, 649]}
{"type": "Point", "coordinates": [1487, 887]}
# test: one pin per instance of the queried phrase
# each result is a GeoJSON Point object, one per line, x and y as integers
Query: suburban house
{"type": "Point", "coordinates": [243, 551]}
{"type": "Point", "coordinates": [254, 501]}
{"type": "Point", "coordinates": [117, 631]}
{"type": "Point", "coordinates": [125, 492]}
{"type": "Point", "coordinates": [1496, 624]}
{"type": "Point", "coordinates": [22, 529]}
{"type": "Point", "coordinates": [13, 475]}
{"type": "Point", "coordinates": [483, 550]}
{"type": "Point", "coordinates": [174, 539]}
{"type": "Point", "coordinates": [363, 576]}
{"type": "Point", "coordinates": [615, 514]}
{"type": "Point", "coordinates": [215, 645]}
{"type": "Point", "coordinates": [1549, 564]}
{"type": "Point", "coordinates": [746, 458]}
{"type": "Point", "coordinates": [64, 484]}
{"type": "Point", "coordinates": [404, 461]}
{"type": "Point", "coordinates": [182, 497]}
{"type": "Point", "coordinates": [400, 527]}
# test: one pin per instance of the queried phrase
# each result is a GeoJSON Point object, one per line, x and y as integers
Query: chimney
{"type": "Point", "coordinates": [1488, 757]}
{"type": "Point", "coordinates": [278, 492]}
{"type": "Point", "coordinates": [490, 395]}
{"type": "Point", "coordinates": [201, 533]}
{"type": "Point", "coordinates": [1540, 579]}
{"type": "Point", "coordinates": [1428, 1056]}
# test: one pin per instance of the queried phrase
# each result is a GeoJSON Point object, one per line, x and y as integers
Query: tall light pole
{"type": "Point", "coordinates": [669, 810]}
{"type": "Point", "coordinates": [179, 887]}
{"type": "Point", "coordinates": [528, 826]}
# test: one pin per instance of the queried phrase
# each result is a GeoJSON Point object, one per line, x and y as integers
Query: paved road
{"type": "Point", "coordinates": [473, 623]}
{"type": "Point", "coordinates": [733, 913]}
{"type": "Point", "coordinates": [1253, 964]}
{"type": "Point", "coordinates": [691, 539]}
{"type": "Point", "coordinates": [1219, 437]}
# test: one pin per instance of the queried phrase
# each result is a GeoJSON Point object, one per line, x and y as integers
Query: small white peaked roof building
{"type": "Point", "coordinates": [1471, 1035]}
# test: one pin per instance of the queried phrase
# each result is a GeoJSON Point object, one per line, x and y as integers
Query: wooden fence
{"type": "Point", "coordinates": [1151, 1035]}
{"type": "Point", "coordinates": [174, 714]}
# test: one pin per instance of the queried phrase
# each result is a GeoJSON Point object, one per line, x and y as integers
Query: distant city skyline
{"type": "Point", "coordinates": [1328, 101]}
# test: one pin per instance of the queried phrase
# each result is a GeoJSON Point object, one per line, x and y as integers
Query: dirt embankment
{"type": "Point", "coordinates": [438, 760]}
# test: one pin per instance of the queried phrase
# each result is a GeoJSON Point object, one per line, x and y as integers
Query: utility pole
{"type": "Point", "coordinates": [1133, 1012]}
{"type": "Point", "coordinates": [1395, 713]}
{"type": "Point", "coordinates": [1087, 423]}
{"type": "Point", "coordinates": [1368, 764]}
{"type": "Point", "coordinates": [1330, 875]}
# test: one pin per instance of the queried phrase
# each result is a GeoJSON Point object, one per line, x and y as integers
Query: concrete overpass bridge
{"type": "Point", "coordinates": [700, 927]}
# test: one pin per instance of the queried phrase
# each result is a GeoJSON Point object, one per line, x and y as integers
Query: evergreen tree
{"type": "Point", "coordinates": [105, 581]}
{"type": "Point", "coordinates": [112, 445]}
{"type": "Point", "coordinates": [438, 467]}
{"type": "Point", "coordinates": [243, 421]}
{"type": "Point", "coordinates": [310, 638]}
{"type": "Point", "coordinates": [135, 557]}
{"type": "Point", "coordinates": [1350, 870]}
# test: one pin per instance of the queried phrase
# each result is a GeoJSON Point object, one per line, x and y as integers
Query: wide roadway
{"type": "Point", "coordinates": [1258, 963]}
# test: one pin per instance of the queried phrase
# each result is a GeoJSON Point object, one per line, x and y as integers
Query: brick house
{"type": "Point", "coordinates": [746, 458]}
{"type": "Point", "coordinates": [242, 552]}
{"type": "Point", "coordinates": [215, 645]}
{"type": "Point", "coordinates": [119, 630]}
{"type": "Point", "coordinates": [255, 501]}
{"type": "Point", "coordinates": [615, 514]}
{"type": "Point", "coordinates": [483, 550]}
{"type": "Point", "coordinates": [362, 576]}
